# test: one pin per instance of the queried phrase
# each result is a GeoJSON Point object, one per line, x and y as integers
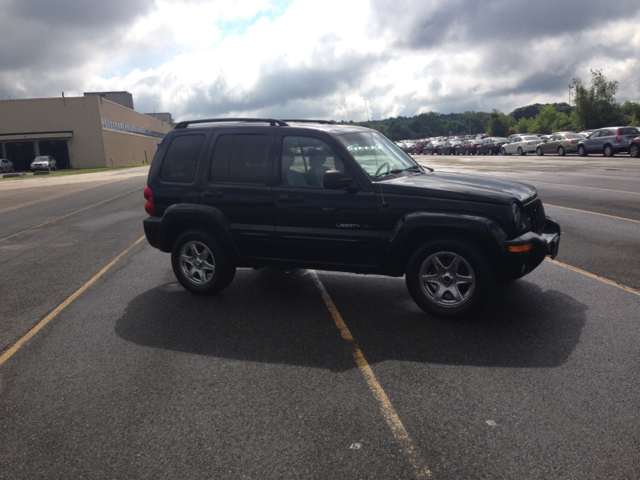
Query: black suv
{"type": "Point", "coordinates": [227, 193]}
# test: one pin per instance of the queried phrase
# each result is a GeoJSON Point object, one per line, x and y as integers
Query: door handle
{"type": "Point", "coordinates": [213, 194]}
{"type": "Point", "coordinates": [291, 198]}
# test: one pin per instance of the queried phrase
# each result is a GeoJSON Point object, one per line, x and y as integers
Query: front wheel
{"type": "Point", "coordinates": [539, 151]}
{"type": "Point", "coordinates": [448, 278]}
{"type": "Point", "coordinates": [200, 265]}
{"type": "Point", "coordinates": [520, 151]}
{"type": "Point", "coordinates": [582, 151]}
{"type": "Point", "coordinates": [504, 152]}
{"type": "Point", "coordinates": [633, 151]}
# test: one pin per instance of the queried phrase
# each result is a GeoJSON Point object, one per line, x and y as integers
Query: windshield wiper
{"type": "Point", "coordinates": [414, 168]}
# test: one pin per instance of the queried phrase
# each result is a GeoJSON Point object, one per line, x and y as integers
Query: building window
{"type": "Point", "coordinates": [127, 128]}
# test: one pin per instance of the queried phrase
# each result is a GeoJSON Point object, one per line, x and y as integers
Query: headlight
{"type": "Point", "coordinates": [520, 218]}
{"type": "Point", "coordinates": [516, 213]}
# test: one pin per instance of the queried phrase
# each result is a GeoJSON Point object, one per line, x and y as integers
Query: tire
{"type": "Point", "coordinates": [539, 151]}
{"type": "Point", "coordinates": [561, 151]}
{"type": "Point", "coordinates": [504, 152]}
{"type": "Point", "coordinates": [466, 152]}
{"type": "Point", "coordinates": [459, 278]}
{"type": "Point", "coordinates": [582, 151]}
{"type": "Point", "coordinates": [633, 151]}
{"type": "Point", "coordinates": [520, 151]}
{"type": "Point", "coordinates": [607, 151]}
{"type": "Point", "coordinates": [216, 272]}
{"type": "Point", "coordinates": [490, 151]}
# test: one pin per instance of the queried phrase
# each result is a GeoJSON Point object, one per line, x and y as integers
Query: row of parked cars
{"type": "Point", "coordinates": [606, 141]}
{"type": "Point", "coordinates": [43, 162]}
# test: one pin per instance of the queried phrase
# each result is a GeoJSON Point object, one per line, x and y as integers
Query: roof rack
{"type": "Point", "coordinates": [271, 121]}
{"type": "Point", "coordinates": [298, 120]}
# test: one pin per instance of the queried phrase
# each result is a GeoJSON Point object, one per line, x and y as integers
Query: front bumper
{"type": "Point", "coordinates": [544, 244]}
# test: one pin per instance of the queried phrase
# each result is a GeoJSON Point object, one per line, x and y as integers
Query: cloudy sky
{"type": "Point", "coordinates": [317, 58]}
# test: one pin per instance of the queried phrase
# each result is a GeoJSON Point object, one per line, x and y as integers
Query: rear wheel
{"type": "Point", "coordinates": [539, 151]}
{"type": "Point", "coordinates": [633, 150]}
{"type": "Point", "coordinates": [582, 151]}
{"type": "Point", "coordinates": [448, 278]}
{"type": "Point", "coordinates": [200, 265]}
{"type": "Point", "coordinates": [561, 151]}
{"type": "Point", "coordinates": [608, 151]}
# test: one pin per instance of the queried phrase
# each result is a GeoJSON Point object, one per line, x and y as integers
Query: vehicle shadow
{"type": "Point", "coordinates": [276, 317]}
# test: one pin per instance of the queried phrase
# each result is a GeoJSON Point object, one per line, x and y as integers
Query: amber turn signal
{"type": "Point", "coordinates": [520, 248]}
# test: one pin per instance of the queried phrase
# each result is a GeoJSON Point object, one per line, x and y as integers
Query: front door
{"type": "Point", "coordinates": [317, 226]}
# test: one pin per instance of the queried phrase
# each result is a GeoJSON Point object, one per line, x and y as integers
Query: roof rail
{"type": "Point", "coordinates": [270, 121]}
{"type": "Point", "coordinates": [326, 122]}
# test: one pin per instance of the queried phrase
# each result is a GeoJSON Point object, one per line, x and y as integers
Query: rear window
{"type": "Point", "coordinates": [628, 131]}
{"type": "Point", "coordinates": [531, 138]}
{"type": "Point", "coordinates": [500, 140]}
{"type": "Point", "coordinates": [575, 136]}
{"type": "Point", "coordinates": [181, 160]}
{"type": "Point", "coordinates": [240, 159]}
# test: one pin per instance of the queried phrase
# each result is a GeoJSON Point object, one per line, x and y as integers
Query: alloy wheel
{"type": "Point", "coordinates": [447, 279]}
{"type": "Point", "coordinates": [197, 263]}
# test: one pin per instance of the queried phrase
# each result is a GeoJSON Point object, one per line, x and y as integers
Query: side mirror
{"type": "Point", "coordinates": [336, 180]}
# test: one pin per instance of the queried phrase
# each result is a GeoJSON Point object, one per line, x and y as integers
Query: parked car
{"type": "Point", "coordinates": [44, 162]}
{"type": "Point", "coordinates": [521, 145]}
{"type": "Point", "coordinates": [491, 146]}
{"type": "Point", "coordinates": [6, 165]}
{"type": "Point", "coordinates": [608, 141]}
{"type": "Point", "coordinates": [561, 144]}
{"type": "Point", "coordinates": [223, 195]}
{"type": "Point", "coordinates": [468, 147]}
{"type": "Point", "coordinates": [633, 147]}
{"type": "Point", "coordinates": [432, 147]}
{"type": "Point", "coordinates": [449, 147]}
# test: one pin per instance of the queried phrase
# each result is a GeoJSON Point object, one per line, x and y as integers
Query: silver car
{"type": "Point", "coordinates": [521, 144]}
{"type": "Point", "coordinates": [44, 162]}
{"type": "Point", "coordinates": [6, 165]}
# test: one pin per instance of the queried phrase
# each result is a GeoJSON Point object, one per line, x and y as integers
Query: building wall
{"type": "Point", "coordinates": [81, 115]}
{"type": "Point", "coordinates": [128, 148]}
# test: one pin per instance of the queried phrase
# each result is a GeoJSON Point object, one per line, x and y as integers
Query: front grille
{"type": "Point", "coordinates": [535, 211]}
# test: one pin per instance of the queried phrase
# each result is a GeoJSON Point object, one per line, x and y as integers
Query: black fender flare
{"type": "Point", "coordinates": [414, 229]}
{"type": "Point", "coordinates": [188, 216]}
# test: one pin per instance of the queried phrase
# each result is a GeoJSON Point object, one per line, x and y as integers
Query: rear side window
{"type": "Point", "coordinates": [240, 159]}
{"type": "Point", "coordinates": [181, 160]}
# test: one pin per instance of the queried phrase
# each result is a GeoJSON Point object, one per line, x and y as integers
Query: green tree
{"type": "Point", "coordinates": [499, 124]}
{"type": "Point", "coordinates": [562, 123]}
{"type": "Point", "coordinates": [596, 105]}
{"type": "Point", "coordinates": [525, 125]}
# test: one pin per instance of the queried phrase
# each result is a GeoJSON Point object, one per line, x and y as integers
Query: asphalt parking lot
{"type": "Point", "coordinates": [309, 374]}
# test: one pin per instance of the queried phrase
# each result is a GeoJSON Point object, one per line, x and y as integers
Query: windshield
{"type": "Point", "coordinates": [377, 155]}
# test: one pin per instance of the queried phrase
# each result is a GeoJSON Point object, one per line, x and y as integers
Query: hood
{"type": "Point", "coordinates": [459, 186]}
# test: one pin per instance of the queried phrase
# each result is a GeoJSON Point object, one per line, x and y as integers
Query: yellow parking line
{"type": "Point", "coordinates": [390, 415]}
{"type": "Point", "coordinates": [9, 353]}
{"type": "Point", "coordinates": [58, 196]}
{"type": "Point", "coordinates": [597, 277]}
{"type": "Point", "coordinates": [592, 213]}
{"type": "Point", "coordinates": [68, 215]}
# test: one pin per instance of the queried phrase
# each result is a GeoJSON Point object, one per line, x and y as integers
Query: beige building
{"type": "Point", "coordinates": [80, 132]}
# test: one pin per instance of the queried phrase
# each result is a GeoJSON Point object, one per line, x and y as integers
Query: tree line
{"type": "Point", "coordinates": [595, 107]}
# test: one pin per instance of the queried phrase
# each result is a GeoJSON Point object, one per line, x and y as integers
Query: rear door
{"type": "Point", "coordinates": [236, 182]}
{"type": "Point", "coordinates": [316, 226]}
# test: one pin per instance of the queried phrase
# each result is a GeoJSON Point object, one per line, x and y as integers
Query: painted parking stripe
{"type": "Point", "coordinates": [592, 213]}
{"type": "Point", "coordinates": [69, 214]}
{"type": "Point", "coordinates": [9, 353]}
{"type": "Point", "coordinates": [597, 277]}
{"type": "Point", "coordinates": [58, 196]}
{"type": "Point", "coordinates": [389, 413]}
